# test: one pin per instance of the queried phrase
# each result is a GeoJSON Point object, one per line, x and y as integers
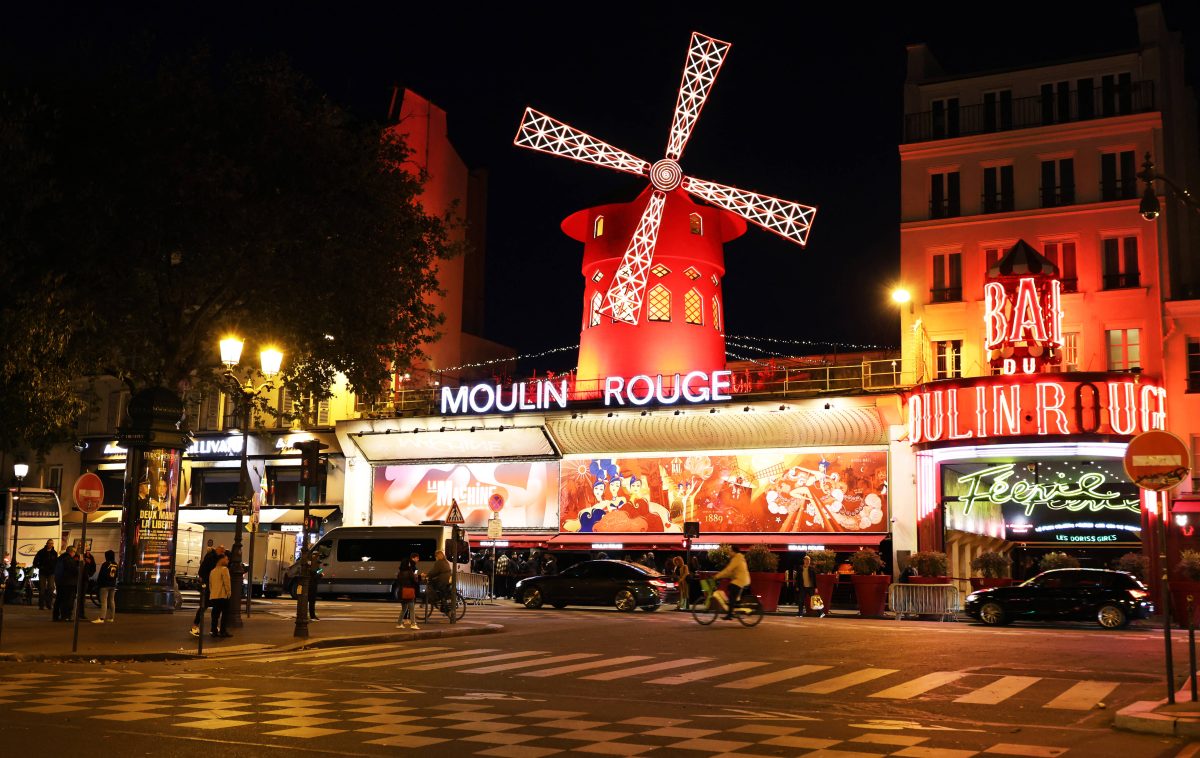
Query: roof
{"type": "Point", "coordinates": [1023, 260]}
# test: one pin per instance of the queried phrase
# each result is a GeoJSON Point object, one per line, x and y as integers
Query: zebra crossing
{"type": "Point", "coordinates": [872, 683]}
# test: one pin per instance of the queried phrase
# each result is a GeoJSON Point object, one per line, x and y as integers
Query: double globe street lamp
{"type": "Point", "coordinates": [244, 394]}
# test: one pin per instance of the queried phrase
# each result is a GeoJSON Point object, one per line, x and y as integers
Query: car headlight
{"type": "Point", "coordinates": [972, 597]}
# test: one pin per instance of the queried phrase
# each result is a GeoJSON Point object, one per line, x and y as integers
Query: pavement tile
{"type": "Point", "coordinates": [53, 708]}
{"type": "Point", "coordinates": [132, 707]}
{"type": "Point", "coordinates": [212, 724]}
{"type": "Point", "coordinates": [840, 754]}
{"type": "Point", "coordinates": [934, 752]}
{"type": "Point", "coordinates": [519, 751]}
{"type": "Point", "coordinates": [710, 746]}
{"type": "Point", "coordinates": [129, 716]}
{"type": "Point", "coordinates": [468, 716]}
{"type": "Point", "coordinates": [615, 748]}
{"type": "Point", "coordinates": [653, 721]}
{"type": "Point", "coordinates": [214, 714]}
{"type": "Point", "coordinates": [460, 707]}
{"type": "Point", "coordinates": [498, 738]}
{"type": "Point", "coordinates": [286, 712]}
{"type": "Point", "coordinates": [406, 740]}
{"type": "Point", "coordinates": [680, 732]}
{"type": "Point", "coordinates": [305, 732]}
{"type": "Point", "coordinates": [810, 743]}
{"type": "Point", "coordinates": [1029, 751]}
{"type": "Point", "coordinates": [482, 726]}
{"type": "Point", "coordinates": [294, 704]}
{"type": "Point", "coordinates": [767, 729]}
{"type": "Point", "coordinates": [395, 729]}
{"type": "Point", "coordinates": [375, 701]}
{"type": "Point", "coordinates": [290, 694]}
{"type": "Point", "coordinates": [298, 721]}
{"type": "Point", "coordinates": [378, 709]}
{"type": "Point", "coordinates": [223, 690]}
{"type": "Point", "coordinates": [573, 724]}
{"type": "Point", "coordinates": [591, 735]}
{"type": "Point", "coordinates": [545, 714]}
{"type": "Point", "coordinates": [890, 739]}
{"type": "Point", "coordinates": [389, 718]}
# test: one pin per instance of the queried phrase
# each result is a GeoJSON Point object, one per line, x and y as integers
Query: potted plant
{"type": "Point", "coordinates": [932, 567]}
{"type": "Point", "coordinates": [824, 562]}
{"type": "Point", "coordinates": [764, 576]}
{"type": "Point", "coordinates": [718, 557]}
{"type": "Point", "coordinates": [1051, 561]}
{"type": "Point", "coordinates": [993, 568]}
{"type": "Point", "coordinates": [1134, 563]}
{"type": "Point", "coordinates": [870, 587]}
{"type": "Point", "coordinates": [1186, 582]}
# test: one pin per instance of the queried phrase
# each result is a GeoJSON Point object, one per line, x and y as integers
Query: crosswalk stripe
{"type": "Point", "coordinates": [608, 676]}
{"type": "Point", "coordinates": [336, 651]}
{"type": "Point", "coordinates": [451, 664]}
{"type": "Point", "coordinates": [455, 654]}
{"type": "Point", "coordinates": [842, 682]}
{"type": "Point", "coordinates": [571, 669]}
{"type": "Point", "coordinates": [529, 664]}
{"type": "Point", "coordinates": [999, 690]}
{"type": "Point", "coordinates": [393, 653]}
{"type": "Point", "coordinates": [692, 676]}
{"type": "Point", "coordinates": [1082, 696]}
{"type": "Point", "coordinates": [919, 686]}
{"type": "Point", "coordinates": [751, 682]}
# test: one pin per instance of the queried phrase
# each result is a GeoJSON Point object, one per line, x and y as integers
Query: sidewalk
{"type": "Point", "coordinates": [30, 635]}
{"type": "Point", "coordinates": [1156, 717]}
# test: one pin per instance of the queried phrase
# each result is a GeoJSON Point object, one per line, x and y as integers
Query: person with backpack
{"type": "Point", "coordinates": [207, 564]}
{"type": "Point", "coordinates": [106, 586]}
{"type": "Point", "coordinates": [406, 584]}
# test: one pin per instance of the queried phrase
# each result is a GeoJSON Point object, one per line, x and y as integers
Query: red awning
{"type": "Point", "coordinates": [569, 541]}
{"type": "Point", "coordinates": [1190, 505]}
{"type": "Point", "coordinates": [516, 541]}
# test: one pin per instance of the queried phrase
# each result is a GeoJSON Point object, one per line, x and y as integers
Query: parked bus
{"type": "Point", "coordinates": [39, 518]}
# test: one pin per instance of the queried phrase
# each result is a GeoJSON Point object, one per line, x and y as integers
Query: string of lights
{"type": "Point", "coordinates": [809, 343]}
{"type": "Point", "coordinates": [730, 354]}
{"type": "Point", "coordinates": [494, 361]}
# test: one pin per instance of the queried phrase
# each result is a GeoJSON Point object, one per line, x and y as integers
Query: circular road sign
{"type": "Point", "coordinates": [88, 493]}
{"type": "Point", "coordinates": [1157, 460]}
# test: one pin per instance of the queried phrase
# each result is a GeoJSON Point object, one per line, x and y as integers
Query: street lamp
{"type": "Point", "coordinates": [20, 469]}
{"type": "Point", "coordinates": [1149, 207]}
{"type": "Point", "coordinates": [244, 394]}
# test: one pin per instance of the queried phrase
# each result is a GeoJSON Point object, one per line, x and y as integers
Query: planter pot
{"type": "Point", "coordinates": [871, 593]}
{"type": "Point", "coordinates": [766, 586]}
{"type": "Point", "coordinates": [929, 580]}
{"type": "Point", "coordinates": [987, 582]}
{"type": "Point", "coordinates": [825, 583]}
{"type": "Point", "coordinates": [1180, 589]}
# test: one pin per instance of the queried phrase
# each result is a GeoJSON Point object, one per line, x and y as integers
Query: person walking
{"type": "Point", "coordinates": [207, 564]}
{"type": "Point", "coordinates": [406, 583]}
{"type": "Point", "coordinates": [44, 562]}
{"type": "Point", "coordinates": [66, 580]}
{"type": "Point", "coordinates": [106, 586]}
{"type": "Point", "coordinates": [806, 584]}
{"type": "Point", "coordinates": [502, 583]}
{"type": "Point", "coordinates": [680, 573]}
{"type": "Point", "coordinates": [219, 589]}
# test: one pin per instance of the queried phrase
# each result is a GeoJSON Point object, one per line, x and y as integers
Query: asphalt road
{"type": "Point", "coordinates": [601, 682]}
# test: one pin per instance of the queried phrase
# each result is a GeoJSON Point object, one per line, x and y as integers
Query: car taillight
{"type": "Point", "coordinates": [1137, 594]}
{"type": "Point", "coordinates": [661, 584]}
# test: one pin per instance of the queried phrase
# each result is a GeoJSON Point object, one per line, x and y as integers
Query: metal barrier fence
{"type": "Point", "coordinates": [924, 600]}
{"type": "Point", "coordinates": [474, 587]}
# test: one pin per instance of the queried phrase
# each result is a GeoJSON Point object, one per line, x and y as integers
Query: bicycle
{"type": "Point", "coordinates": [747, 610]}
{"type": "Point", "coordinates": [442, 604]}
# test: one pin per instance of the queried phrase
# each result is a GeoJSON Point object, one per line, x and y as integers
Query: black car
{"type": "Point", "coordinates": [1110, 598]}
{"type": "Point", "coordinates": [627, 586]}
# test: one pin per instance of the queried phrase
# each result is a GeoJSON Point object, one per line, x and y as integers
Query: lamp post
{"type": "Point", "coordinates": [20, 469]}
{"type": "Point", "coordinates": [1149, 207]}
{"type": "Point", "coordinates": [244, 394]}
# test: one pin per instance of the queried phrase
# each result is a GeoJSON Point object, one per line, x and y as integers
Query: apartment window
{"type": "Point", "coordinates": [1120, 263]}
{"type": "Point", "coordinates": [997, 111]}
{"type": "Point", "coordinates": [1056, 102]}
{"type": "Point", "coordinates": [1116, 94]}
{"type": "Point", "coordinates": [693, 308]}
{"type": "Point", "coordinates": [1062, 254]}
{"type": "Point", "coordinates": [944, 195]}
{"type": "Point", "coordinates": [991, 256]}
{"type": "Point", "coordinates": [997, 189]}
{"type": "Point", "coordinates": [598, 227]}
{"type": "Point", "coordinates": [230, 418]}
{"type": "Point", "coordinates": [716, 313]}
{"type": "Point", "coordinates": [1124, 349]}
{"type": "Point", "coordinates": [659, 304]}
{"type": "Point", "coordinates": [594, 318]}
{"type": "Point", "coordinates": [1058, 182]}
{"type": "Point", "coordinates": [54, 479]}
{"type": "Point", "coordinates": [1118, 176]}
{"type": "Point", "coordinates": [1085, 93]}
{"type": "Point", "coordinates": [696, 224]}
{"type": "Point", "coordinates": [210, 420]}
{"type": "Point", "coordinates": [947, 359]}
{"type": "Point", "coordinates": [1070, 352]}
{"type": "Point", "coordinates": [947, 278]}
{"type": "Point", "coordinates": [117, 402]}
{"type": "Point", "coordinates": [1195, 463]}
{"type": "Point", "coordinates": [944, 117]}
{"type": "Point", "coordinates": [1193, 364]}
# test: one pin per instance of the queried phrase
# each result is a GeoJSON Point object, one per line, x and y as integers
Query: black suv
{"type": "Point", "coordinates": [627, 586]}
{"type": "Point", "coordinates": [1110, 598]}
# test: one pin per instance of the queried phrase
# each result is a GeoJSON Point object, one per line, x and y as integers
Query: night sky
{"type": "Point", "coordinates": [807, 107]}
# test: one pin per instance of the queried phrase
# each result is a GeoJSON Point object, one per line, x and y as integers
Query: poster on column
{"type": "Point", "coordinates": [157, 505]}
{"type": "Point", "coordinates": [809, 490]}
{"type": "Point", "coordinates": [407, 495]}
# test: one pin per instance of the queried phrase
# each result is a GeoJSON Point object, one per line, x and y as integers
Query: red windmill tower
{"type": "Point", "coordinates": [653, 267]}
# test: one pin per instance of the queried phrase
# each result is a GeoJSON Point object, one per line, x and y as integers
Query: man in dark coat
{"type": "Point", "coordinates": [207, 564]}
{"type": "Point", "coordinates": [45, 562]}
{"type": "Point", "coordinates": [66, 577]}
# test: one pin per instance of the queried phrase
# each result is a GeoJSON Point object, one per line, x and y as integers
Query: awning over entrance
{"type": "Point", "coordinates": [676, 542]}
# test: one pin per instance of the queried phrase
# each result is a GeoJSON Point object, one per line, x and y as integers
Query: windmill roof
{"type": "Point", "coordinates": [1022, 260]}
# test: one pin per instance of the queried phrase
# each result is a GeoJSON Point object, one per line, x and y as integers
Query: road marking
{"type": "Point", "coordinates": [455, 654]}
{"type": "Point", "coordinates": [1031, 751]}
{"type": "Point", "coordinates": [650, 669]}
{"type": "Point", "coordinates": [450, 664]}
{"type": "Point", "coordinates": [751, 682]}
{"type": "Point", "coordinates": [919, 686]}
{"type": "Point", "coordinates": [999, 690]}
{"type": "Point", "coordinates": [692, 676]}
{"type": "Point", "coordinates": [555, 671]}
{"type": "Point", "coordinates": [844, 681]}
{"type": "Point", "coordinates": [1083, 696]}
{"type": "Point", "coordinates": [393, 653]}
{"type": "Point", "coordinates": [329, 652]}
{"type": "Point", "coordinates": [529, 664]}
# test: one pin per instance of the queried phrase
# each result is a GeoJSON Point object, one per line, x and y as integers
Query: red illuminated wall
{"type": "Point", "coordinates": [654, 347]}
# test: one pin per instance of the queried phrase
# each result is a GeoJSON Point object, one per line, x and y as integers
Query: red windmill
{"type": "Point", "coordinates": [675, 334]}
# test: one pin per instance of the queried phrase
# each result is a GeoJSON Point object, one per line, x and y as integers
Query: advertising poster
{"type": "Point", "coordinates": [408, 495]}
{"type": "Point", "coordinates": [762, 491]}
{"type": "Point", "coordinates": [156, 501]}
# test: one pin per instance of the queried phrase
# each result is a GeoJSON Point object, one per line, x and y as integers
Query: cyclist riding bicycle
{"type": "Point", "coordinates": [738, 575]}
{"type": "Point", "coordinates": [439, 578]}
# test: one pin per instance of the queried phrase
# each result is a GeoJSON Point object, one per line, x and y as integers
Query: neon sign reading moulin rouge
{"type": "Point", "coordinates": [693, 387]}
{"type": "Point", "coordinates": [1087, 493]}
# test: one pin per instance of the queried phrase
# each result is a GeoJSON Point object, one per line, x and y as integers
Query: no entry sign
{"type": "Point", "coordinates": [1157, 460]}
{"type": "Point", "coordinates": [88, 493]}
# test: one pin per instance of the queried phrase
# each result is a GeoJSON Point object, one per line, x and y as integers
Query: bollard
{"type": "Point", "coordinates": [1191, 644]}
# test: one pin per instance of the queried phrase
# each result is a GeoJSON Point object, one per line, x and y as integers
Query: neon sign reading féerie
{"type": "Point", "coordinates": [1086, 493]}
{"type": "Point", "coordinates": [693, 387]}
{"type": "Point", "coordinates": [1041, 406]}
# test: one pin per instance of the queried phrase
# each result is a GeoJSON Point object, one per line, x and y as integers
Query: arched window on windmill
{"type": "Point", "coordinates": [594, 319]}
{"type": "Point", "coordinates": [716, 313]}
{"type": "Point", "coordinates": [659, 304]}
{"type": "Point", "coordinates": [693, 308]}
{"type": "Point", "coordinates": [696, 223]}
{"type": "Point", "coordinates": [598, 227]}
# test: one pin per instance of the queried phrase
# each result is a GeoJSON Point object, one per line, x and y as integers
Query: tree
{"type": "Point", "coordinates": [197, 195]}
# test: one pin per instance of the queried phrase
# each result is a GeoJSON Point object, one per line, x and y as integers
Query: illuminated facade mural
{"type": "Point", "coordinates": [409, 494]}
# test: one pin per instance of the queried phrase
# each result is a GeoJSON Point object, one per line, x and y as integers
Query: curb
{"type": "Point", "coordinates": [326, 642]}
{"type": "Point", "coordinates": [1141, 717]}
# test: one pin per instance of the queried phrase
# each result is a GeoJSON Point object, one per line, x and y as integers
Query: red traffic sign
{"type": "Point", "coordinates": [1157, 460]}
{"type": "Point", "coordinates": [455, 516]}
{"type": "Point", "coordinates": [88, 493]}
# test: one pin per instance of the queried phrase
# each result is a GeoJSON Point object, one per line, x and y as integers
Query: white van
{"type": "Point", "coordinates": [40, 519]}
{"type": "Point", "coordinates": [364, 560]}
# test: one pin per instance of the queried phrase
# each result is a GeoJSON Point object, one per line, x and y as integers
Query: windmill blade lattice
{"type": "Point", "coordinates": [549, 135]}
{"type": "Point", "coordinates": [623, 301]}
{"type": "Point", "coordinates": [783, 217]}
{"type": "Point", "coordinates": [705, 56]}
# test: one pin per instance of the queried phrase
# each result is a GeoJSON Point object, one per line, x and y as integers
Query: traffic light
{"type": "Point", "coordinates": [312, 524]}
{"type": "Point", "coordinates": [310, 462]}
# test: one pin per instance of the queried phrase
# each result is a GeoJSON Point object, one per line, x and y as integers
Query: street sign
{"type": "Point", "coordinates": [495, 529]}
{"type": "Point", "coordinates": [1157, 460]}
{"type": "Point", "coordinates": [455, 516]}
{"type": "Point", "coordinates": [88, 493]}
